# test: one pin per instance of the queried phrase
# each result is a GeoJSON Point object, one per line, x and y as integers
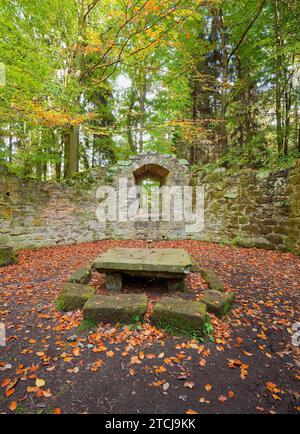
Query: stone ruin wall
{"type": "Point", "coordinates": [248, 208]}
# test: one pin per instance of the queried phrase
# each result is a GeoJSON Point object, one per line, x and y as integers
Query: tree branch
{"type": "Point", "coordinates": [247, 29]}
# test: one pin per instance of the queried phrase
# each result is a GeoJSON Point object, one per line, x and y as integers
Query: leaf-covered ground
{"type": "Point", "coordinates": [249, 364]}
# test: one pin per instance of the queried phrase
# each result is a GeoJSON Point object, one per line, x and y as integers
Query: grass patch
{"type": "Point", "coordinates": [59, 304]}
{"type": "Point", "coordinates": [86, 325]}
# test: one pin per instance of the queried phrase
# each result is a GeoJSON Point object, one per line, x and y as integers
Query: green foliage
{"type": "Point", "coordinates": [208, 328]}
{"type": "Point", "coordinates": [136, 323]}
{"type": "Point", "coordinates": [86, 325]}
{"type": "Point", "coordinates": [86, 86]}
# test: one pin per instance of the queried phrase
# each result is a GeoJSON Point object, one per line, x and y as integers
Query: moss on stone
{"type": "Point", "coordinates": [180, 317]}
{"type": "Point", "coordinates": [74, 296]}
{"type": "Point", "coordinates": [212, 279]}
{"type": "Point", "coordinates": [217, 303]}
{"type": "Point", "coordinates": [121, 308]}
{"type": "Point", "coordinates": [81, 275]}
{"type": "Point", "coordinates": [7, 256]}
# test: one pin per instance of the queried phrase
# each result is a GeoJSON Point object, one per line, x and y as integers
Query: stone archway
{"type": "Point", "coordinates": [163, 166]}
{"type": "Point", "coordinates": [153, 171]}
{"type": "Point", "coordinates": [166, 170]}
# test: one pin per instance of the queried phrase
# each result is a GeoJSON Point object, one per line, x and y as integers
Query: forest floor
{"type": "Point", "coordinates": [249, 365]}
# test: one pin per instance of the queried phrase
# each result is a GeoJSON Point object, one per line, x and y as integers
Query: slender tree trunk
{"type": "Point", "coordinates": [77, 68]}
{"type": "Point", "coordinates": [224, 86]}
{"type": "Point", "coordinates": [288, 102]}
{"type": "Point", "coordinates": [278, 76]}
{"type": "Point", "coordinates": [66, 148]}
{"type": "Point", "coordinates": [143, 94]}
{"type": "Point", "coordinates": [194, 117]}
{"type": "Point", "coordinates": [73, 161]}
{"type": "Point", "coordinates": [57, 149]}
{"type": "Point", "coordinates": [10, 146]}
{"type": "Point", "coordinates": [129, 122]}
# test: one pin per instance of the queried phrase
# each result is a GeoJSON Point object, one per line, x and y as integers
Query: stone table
{"type": "Point", "coordinates": [170, 264]}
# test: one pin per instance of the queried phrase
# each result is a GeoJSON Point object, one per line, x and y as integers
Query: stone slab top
{"type": "Point", "coordinates": [168, 261]}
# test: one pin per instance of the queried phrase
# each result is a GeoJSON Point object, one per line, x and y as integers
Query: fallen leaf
{"type": "Point", "coordinates": [39, 382]}
{"type": "Point", "coordinates": [57, 410]}
{"type": "Point", "coordinates": [13, 406]}
{"type": "Point", "coordinates": [189, 384]}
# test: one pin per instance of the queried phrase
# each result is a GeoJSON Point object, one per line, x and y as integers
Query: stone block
{"type": "Point", "coordinates": [181, 317]}
{"type": "Point", "coordinates": [113, 281]}
{"type": "Point", "coordinates": [81, 275]}
{"type": "Point", "coordinates": [218, 303]}
{"type": "Point", "coordinates": [74, 296]}
{"type": "Point", "coordinates": [121, 308]}
{"type": "Point", "coordinates": [212, 280]}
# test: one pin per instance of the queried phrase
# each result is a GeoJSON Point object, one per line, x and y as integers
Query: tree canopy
{"type": "Point", "coordinates": [85, 82]}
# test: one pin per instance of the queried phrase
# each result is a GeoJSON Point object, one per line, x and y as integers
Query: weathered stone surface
{"type": "Point", "coordinates": [74, 296]}
{"type": "Point", "coordinates": [113, 282]}
{"type": "Point", "coordinates": [122, 308]}
{"type": "Point", "coordinates": [7, 256]}
{"type": "Point", "coordinates": [212, 279]}
{"type": "Point", "coordinates": [81, 275]}
{"type": "Point", "coordinates": [245, 208]}
{"type": "Point", "coordinates": [218, 303]}
{"type": "Point", "coordinates": [148, 262]}
{"type": "Point", "coordinates": [181, 317]}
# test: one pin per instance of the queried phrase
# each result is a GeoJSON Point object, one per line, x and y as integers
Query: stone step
{"type": "Point", "coordinates": [74, 296]}
{"type": "Point", "coordinates": [218, 303]}
{"type": "Point", "coordinates": [212, 279]}
{"type": "Point", "coordinates": [82, 275]}
{"type": "Point", "coordinates": [182, 317]}
{"type": "Point", "coordinates": [121, 308]}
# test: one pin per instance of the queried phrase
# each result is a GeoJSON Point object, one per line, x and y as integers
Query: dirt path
{"type": "Point", "coordinates": [248, 366]}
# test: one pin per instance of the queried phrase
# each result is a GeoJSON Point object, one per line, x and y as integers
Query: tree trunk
{"type": "Point", "coordinates": [278, 76]}
{"type": "Point", "coordinates": [129, 122]}
{"type": "Point", "coordinates": [224, 86]}
{"type": "Point", "coordinates": [77, 68]}
{"type": "Point", "coordinates": [10, 146]}
{"type": "Point", "coordinates": [143, 93]}
{"type": "Point", "coordinates": [73, 161]}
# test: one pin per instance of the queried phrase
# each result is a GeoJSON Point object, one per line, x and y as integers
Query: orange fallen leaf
{"type": "Point", "coordinates": [110, 354]}
{"type": "Point", "coordinates": [9, 392]}
{"type": "Point", "coordinates": [5, 382]}
{"type": "Point", "coordinates": [150, 356]}
{"type": "Point", "coordinates": [13, 406]}
{"type": "Point", "coordinates": [57, 410]}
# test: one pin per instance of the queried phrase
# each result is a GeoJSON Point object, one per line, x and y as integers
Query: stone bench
{"type": "Point", "coordinates": [181, 317]}
{"type": "Point", "coordinates": [170, 264]}
{"type": "Point", "coordinates": [74, 296]}
{"type": "Point", "coordinates": [120, 308]}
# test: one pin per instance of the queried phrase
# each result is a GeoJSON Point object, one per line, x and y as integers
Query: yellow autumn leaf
{"type": "Point", "coordinates": [39, 382]}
